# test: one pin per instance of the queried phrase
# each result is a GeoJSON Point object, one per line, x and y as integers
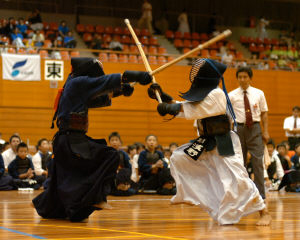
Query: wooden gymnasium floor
{"type": "Point", "coordinates": [145, 217]}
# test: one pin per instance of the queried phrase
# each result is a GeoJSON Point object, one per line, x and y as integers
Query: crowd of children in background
{"type": "Point", "coordinates": [142, 168]}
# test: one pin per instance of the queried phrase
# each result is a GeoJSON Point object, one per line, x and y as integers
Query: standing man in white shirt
{"type": "Point", "coordinates": [251, 108]}
{"type": "Point", "coordinates": [291, 127]}
{"type": "Point", "coordinates": [10, 154]}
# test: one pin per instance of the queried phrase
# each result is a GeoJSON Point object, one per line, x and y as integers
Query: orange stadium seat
{"type": "Point", "coordinates": [195, 43]}
{"type": "Point", "coordinates": [125, 48]}
{"type": "Point", "coordinates": [140, 60]}
{"type": "Point", "coordinates": [75, 54]}
{"type": "Point", "coordinates": [125, 39]}
{"type": "Point", "coordinates": [123, 58]}
{"type": "Point", "coordinates": [80, 28]}
{"type": "Point", "coordinates": [113, 58]}
{"type": "Point", "coordinates": [22, 51]}
{"type": "Point", "coordinates": [162, 50]}
{"type": "Point", "coordinates": [44, 54]}
{"type": "Point", "coordinates": [87, 37]}
{"type": "Point", "coordinates": [133, 49]}
{"type": "Point", "coordinates": [260, 48]}
{"type": "Point", "coordinates": [204, 53]}
{"type": "Point", "coordinates": [169, 34]}
{"type": "Point", "coordinates": [185, 50]}
{"type": "Point", "coordinates": [103, 57]}
{"type": "Point", "coordinates": [252, 47]}
{"type": "Point", "coordinates": [152, 50]}
{"type": "Point", "coordinates": [106, 38]}
{"type": "Point", "coordinates": [89, 28]}
{"type": "Point", "coordinates": [239, 55]}
{"type": "Point", "coordinates": [32, 51]}
{"type": "Point", "coordinates": [204, 36]}
{"type": "Point", "coordinates": [170, 58]}
{"type": "Point", "coordinates": [118, 30]}
{"type": "Point", "coordinates": [187, 35]}
{"type": "Point", "coordinates": [259, 40]}
{"type": "Point", "coordinates": [99, 29]}
{"type": "Point", "coordinates": [187, 43]}
{"type": "Point", "coordinates": [5, 39]}
{"type": "Point", "coordinates": [46, 25]}
{"type": "Point", "coordinates": [144, 40]}
{"type": "Point", "coordinates": [213, 53]}
{"type": "Point", "coordinates": [268, 47]}
{"type": "Point", "coordinates": [145, 48]}
{"type": "Point", "coordinates": [178, 35]}
{"type": "Point", "coordinates": [152, 60]}
{"type": "Point", "coordinates": [109, 30]}
{"type": "Point", "coordinates": [262, 55]}
{"type": "Point", "coordinates": [274, 41]}
{"type": "Point", "coordinates": [272, 65]}
{"type": "Point", "coordinates": [243, 39]}
{"type": "Point", "coordinates": [11, 50]}
{"type": "Point", "coordinates": [195, 36]}
{"type": "Point", "coordinates": [251, 40]}
{"type": "Point", "coordinates": [153, 41]}
{"type": "Point", "coordinates": [267, 41]}
{"type": "Point", "coordinates": [145, 32]}
{"type": "Point", "coordinates": [161, 60]}
{"type": "Point", "coordinates": [133, 59]}
{"type": "Point", "coordinates": [126, 31]}
{"type": "Point", "coordinates": [53, 26]}
{"type": "Point", "coordinates": [47, 43]}
{"type": "Point", "coordinates": [138, 32]}
{"type": "Point", "coordinates": [64, 55]}
{"type": "Point", "coordinates": [178, 43]}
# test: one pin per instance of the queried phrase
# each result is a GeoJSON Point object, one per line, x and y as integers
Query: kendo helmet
{"type": "Point", "coordinates": [205, 76]}
{"type": "Point", "coordinates": [86, 67]}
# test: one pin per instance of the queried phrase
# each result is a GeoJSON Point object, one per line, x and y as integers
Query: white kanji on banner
{"type": "Point", "coordinates": [54, 70]}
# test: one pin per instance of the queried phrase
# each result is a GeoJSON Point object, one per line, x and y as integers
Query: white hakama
{"type": "Point", "coordinates": [218, 184]}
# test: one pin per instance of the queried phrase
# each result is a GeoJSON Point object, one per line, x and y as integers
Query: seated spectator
{"type": "Point", "coordinates": [167, 154]}
{"type": "Point", "coordinates": [22, 170]}
{"type": "Point", "coordinates": [132, 151]}
{"type": "Point", "coordinates": [62, 30]}
{"type": "Point", "coordinates": [115, 45]}
{"type": "Point", "coordinates": [41, 158]}
{"type": "Point", "coordinates": [6, 181]}
{"type": "Point", "coordinates": [124, 184]}
{"type": "Point", "coordinates": [284, 159]}
{"type": "Point", "coordinates": [97, 43]}
{"type": "Point", "coordinates": [10, 154]}
{"type": "Point", "coordinates": [4, 30]}
{"type": "Point", "coordinates": [69, 40]}
{"type": "Point", "coordinates": [4, 147]}
{"type": "Point", "coordinates": [275, 170]}
{"type": "Point", "coordinates": [35, 20]}
{"type": "Point", "coordinates": [155, 174]}
{"type": "Point", "coordinates": [283, 63]}
{"type": "Point", "coordinates": [296, 158]}
{"type": "Point", "coordinates": [17, 38]}
{"type": "Point", "coordinates": [38, 39]}
{"type": "Point", "coordinates": [10, 26]}
{"type": "Point", "coordinates": [290, 152]}
{"type": "Point", "coordinates": [22, 27]}
{"type": "Point", "coordinates": [173, 146]}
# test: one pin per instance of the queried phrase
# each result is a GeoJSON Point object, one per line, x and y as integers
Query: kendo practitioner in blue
{"type": "Point", "coordinates": [83, 169]}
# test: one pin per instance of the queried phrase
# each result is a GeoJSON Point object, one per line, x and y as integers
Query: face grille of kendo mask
{"type": "Point", "coordinates": [195, 68]}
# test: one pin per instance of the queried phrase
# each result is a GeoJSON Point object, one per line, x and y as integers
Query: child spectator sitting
{"type": "Point", "coordinates": [22, 27]}
{"type": "Point", "coordinates": [69, 40]}
{"type": "Point", "coordinates": [123, 182]}
{"type": "Point", "coordinates": [132, 151]}
{"type": "Point", "coordinates": [41, 158]}
{"type": "Point", "coordinates": [296, 158]}
{"type": "Point", "coordinates": [275, 170]}
{"type": "Point", "coordinates": [167, 154]}
{"type": "Point", "coordinates": [17, 38]}
{"type": "Point", "coordinates": [6, 181]}
{"type": "Point", "coordinates": [115, 45]}
{"type": "Point", "coordinates": [155, 174]}
{"type": "Point", "coordinates": [38, 39]}
{"type": "Point", "coordinates": [173, 146]}
{"type": "Point", "coordinates": [284, 159]}
{"type": "Point", "coordinates": [22, 170]}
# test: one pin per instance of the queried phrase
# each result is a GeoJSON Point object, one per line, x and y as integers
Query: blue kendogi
{"type": "Point", "coordinates": [83, 169]}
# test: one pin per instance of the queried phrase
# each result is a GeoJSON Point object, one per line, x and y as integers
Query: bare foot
{"type": "Point", "coordinates": [103, 205]}
{"type": "Point", "coordinates": [265, 218]}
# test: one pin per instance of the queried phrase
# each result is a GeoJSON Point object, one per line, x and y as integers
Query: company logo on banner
{"type": "Point", "coordinates": [21, 67]}
{"type": "Point", "coordinates": [54, 70]}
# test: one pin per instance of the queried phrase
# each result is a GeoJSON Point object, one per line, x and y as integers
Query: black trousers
{"type": "Point", "coordinates": [251, 140]}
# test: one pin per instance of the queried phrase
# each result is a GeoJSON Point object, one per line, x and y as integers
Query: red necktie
{"type": "Point", "coordinates": [249, 120]}
{"type": "Point", "coordinates": [295, 123]}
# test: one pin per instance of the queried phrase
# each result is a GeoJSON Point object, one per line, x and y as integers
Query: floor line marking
{"type": "Point", "coordinates": [22, 233]}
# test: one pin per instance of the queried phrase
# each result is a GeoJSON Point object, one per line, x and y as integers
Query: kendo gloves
{"type": "Point", "coordinates": [166, 108]}
{"type": "Point", "coordinates": [126, 90]}
{"type": "Point", "coordinates": [143, 78]}
{"type": "Point", "coordinates": [164, 96]}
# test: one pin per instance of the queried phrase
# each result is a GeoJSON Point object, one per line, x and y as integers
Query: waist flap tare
{"type": "Point", "coordinates": [216, 133]}
{"type": "Point", "coordinates": [79, 144]}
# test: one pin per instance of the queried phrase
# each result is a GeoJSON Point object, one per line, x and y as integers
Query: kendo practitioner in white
{"type": "Point", "coordinates": [209, 172]}
{"type": "Point", "coordinates": [83, 169]}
